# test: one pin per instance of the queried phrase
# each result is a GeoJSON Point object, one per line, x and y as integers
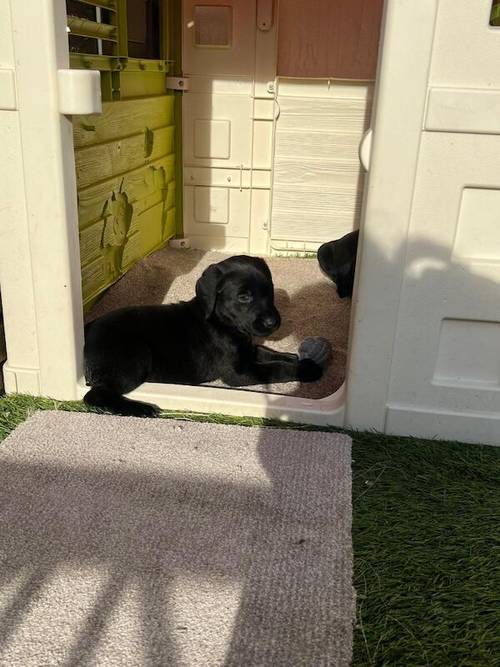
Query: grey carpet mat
{"type": "Point", "coordinates": [154, 542]}
{"type": "Point", "coordinates": [307, 301]}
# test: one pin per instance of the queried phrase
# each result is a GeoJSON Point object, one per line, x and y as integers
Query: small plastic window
{"type": "Point", "coordinates": [213, 25]}
{"type": "Point", "coordinates": [77, 43]}
{"type": "Point", "coordinates": [143, 27]}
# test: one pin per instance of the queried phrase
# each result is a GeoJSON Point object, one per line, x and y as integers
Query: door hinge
{"type": "Point", "coordinates": [177, 83]}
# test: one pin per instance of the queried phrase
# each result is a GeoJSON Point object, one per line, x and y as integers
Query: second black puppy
{"type": "Point", "coordinates": [337, 260]}
{"type": "Point", "coordinates": [194, 342]}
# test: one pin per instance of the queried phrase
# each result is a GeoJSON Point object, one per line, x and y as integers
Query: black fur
{"type": "Point", "coordinates": [193, 342]}
{"type": "Point", "coordinates": [337, 260]}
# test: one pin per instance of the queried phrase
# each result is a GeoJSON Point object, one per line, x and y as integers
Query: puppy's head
{"type": "Point", "coordinates": [239, 292]}
{"type": "Point", "coordinates": [337, 260]}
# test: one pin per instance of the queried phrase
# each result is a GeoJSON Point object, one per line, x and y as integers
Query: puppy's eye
{"type": "Point", "coordinates": [245, 297]}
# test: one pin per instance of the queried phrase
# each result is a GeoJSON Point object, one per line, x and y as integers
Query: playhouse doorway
{"type": "Point", "coordinates": [269, 158]}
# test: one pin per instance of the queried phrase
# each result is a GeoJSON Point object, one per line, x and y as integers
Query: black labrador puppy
{"type": "Point", "coordinates": [337, 260]}
{"type": "Point", "coordinates": [194, 342]}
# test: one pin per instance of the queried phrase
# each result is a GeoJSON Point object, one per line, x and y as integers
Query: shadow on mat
{"type": "Point", "coordinates": [149, 532]}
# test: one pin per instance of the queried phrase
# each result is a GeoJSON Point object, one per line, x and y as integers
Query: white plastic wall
{"type": "Point", "coordinates": [39, 256]}
{"type": "Point", "coordinates": [424, 356]}
{"type": "Point", "coordinates": [317, 175]}
{"type": "Point", "coordinates": [426, 330]}
{"type": "Point", "coordinates": [227, 125]}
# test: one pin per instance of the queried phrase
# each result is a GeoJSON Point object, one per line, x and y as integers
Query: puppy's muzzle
{"type": "Point", "coordinates": [268, 323]}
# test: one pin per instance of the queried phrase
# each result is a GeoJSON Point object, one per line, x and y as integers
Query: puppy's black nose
{"type": "Point", "coordinates": [270, 321]}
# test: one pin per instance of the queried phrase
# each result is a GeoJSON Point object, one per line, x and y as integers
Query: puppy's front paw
{"type": "Point", "coordinates": [316, 349]}
{"type": "Point", "coordinates": [140, 409]}
{"type": "Point", "coordinates": [309, 371]}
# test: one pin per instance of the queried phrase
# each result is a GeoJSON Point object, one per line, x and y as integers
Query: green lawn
{"type": "Point", "coordinates": [426, 545]}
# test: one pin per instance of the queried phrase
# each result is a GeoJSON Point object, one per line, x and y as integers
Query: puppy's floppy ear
{"type": "Point", "coordinates": [206, 288]}
{"type": "Point", "coordinates": [265, 268]}
{"type": "Point", "coordinates": [344, 280]}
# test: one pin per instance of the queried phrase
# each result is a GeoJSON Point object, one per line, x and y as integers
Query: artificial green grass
{"type": "Point", "coordinates": [426, 544]}
{"type": "Point", "coordinates": [426, 538]}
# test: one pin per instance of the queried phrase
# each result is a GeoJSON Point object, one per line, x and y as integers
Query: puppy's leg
{"type": "Point", "coordinates": [269, 367]}
{"type": "Point", "coordinates": [112, 401]}
{"type": "Point", "coordinates": [116, 371]}
{"type": "Point", "coordinates": [285, 367]}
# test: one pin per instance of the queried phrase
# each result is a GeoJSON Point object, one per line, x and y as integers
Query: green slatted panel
{"type": "Point", "coordinates": [125, 158]}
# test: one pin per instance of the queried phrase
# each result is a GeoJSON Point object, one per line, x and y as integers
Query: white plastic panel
{"type": "Point", "coordinates": [318, 178]}
{"type": "Point", "coordinates": [262, 155]}
{"type": "Point", "coordinates": [468, 354]}
{"type": "Point", "coordinates": [211, 205]}
{"type": "Point", "coordinates": [212, 139]}
{"type": "Point", "coordinates": [16, 275]}
{"type": "Point", "coordinates": [398, 119]}
{"type": "Point", "coordinates": [430, 220]}
{"type": "Point", "coordinates": [465, 49]}
{"type": "Point", "coordinates": [478, 227]}
{"type": "Point", "coordinates": [446, 357]}
{"type": "Point", "coordinates": [446, 354]}
{"type": "Point", "coordinates": [6, 45]}
{"type": "Point", "coordinates": [7, 90]}
{"type": "Point", "coordinates": [217, 130]}
{"type": "Point", "coordinates": [220, 212]}
{"type": "Point", "coordinates": [39, 254]}
{"type": "Point", "coordinates": [463, 110]}
{"type": "Point", "coordinates": [229, 178]}
{"type": "Point", "coordinates": [228, 117]}
{"type": "Point", "coordinates": [446, 424]}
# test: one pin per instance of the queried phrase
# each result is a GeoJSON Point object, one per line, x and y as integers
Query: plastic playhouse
{"type": "Point", "coordinates": [267, 128]}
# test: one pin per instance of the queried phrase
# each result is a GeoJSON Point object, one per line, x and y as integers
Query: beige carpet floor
{"type": "Point", "coordinates": [128, 542]}
{"type": "Point", "coordinates": [307, 301]}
